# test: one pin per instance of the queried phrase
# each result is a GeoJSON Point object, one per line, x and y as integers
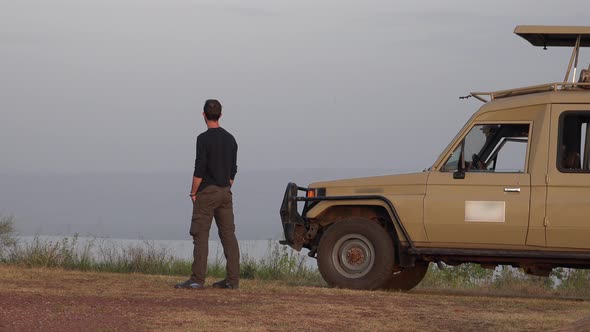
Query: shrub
{"type": "Point", "coordinates": [64, 253]}
{"type": "Point", "coordinates": [511, 280]}
{"type": "Point", "coordinates": [574, 282]}
{"type": "Point", "coordinates": [461, 276]}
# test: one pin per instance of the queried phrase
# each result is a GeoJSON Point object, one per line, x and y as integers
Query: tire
{"type": "Point", "coordinates": [356, 253]}
{"type": "Point", "coordinates": [407, 278]}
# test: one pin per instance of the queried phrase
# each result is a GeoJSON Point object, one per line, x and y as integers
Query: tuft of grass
{"type": "Point", "coordinates": [146, 258]}
{"type": "Point", "coordinates": [515, 280]}
{"type": "Point", "coordinates": [64, 254]}
{"type": "Point", "coordinates": [507, 280]}
{"type": "Point", "coordinates": [282, 263]}
{"type": "Point", "coordinates": [573, 282]}
{"type": "Point", "coordinates": [217, 268]}
{"type": "Point", "coordinates": [464, 276]}
{"type": "Point", "coordinates": [7, 239]}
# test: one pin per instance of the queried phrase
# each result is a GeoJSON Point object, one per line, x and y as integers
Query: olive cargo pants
{"type": "Point", "coordinates": [214, 202]}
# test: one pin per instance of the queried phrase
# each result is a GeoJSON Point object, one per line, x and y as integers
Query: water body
{"type": "Point", "coordinates": [151, 206]}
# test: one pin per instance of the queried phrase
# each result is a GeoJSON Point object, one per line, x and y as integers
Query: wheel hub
{"type": "Point", "coordinates": [353, 256]}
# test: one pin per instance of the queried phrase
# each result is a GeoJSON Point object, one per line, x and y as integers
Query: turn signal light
{"type": "Point", "coordinates": [311, 193]}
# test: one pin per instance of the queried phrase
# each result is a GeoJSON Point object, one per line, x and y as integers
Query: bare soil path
{"type": "Point", "coordinates": [57, 300]}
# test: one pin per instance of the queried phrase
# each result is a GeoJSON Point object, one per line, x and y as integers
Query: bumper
{"type": "Point", "coordinates": [294, 225]}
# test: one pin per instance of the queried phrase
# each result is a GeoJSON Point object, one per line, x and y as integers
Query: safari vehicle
{"type": "Point", "coordinates": [512, 188]}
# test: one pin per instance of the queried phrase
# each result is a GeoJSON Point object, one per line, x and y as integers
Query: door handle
{"type": "Point", "coordinates": [511, 190]}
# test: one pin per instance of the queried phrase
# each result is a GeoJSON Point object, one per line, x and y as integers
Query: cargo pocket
{"type": "Point", "coordinates": [203, 209]}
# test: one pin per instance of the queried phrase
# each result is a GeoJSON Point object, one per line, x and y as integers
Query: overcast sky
{"type": "Point", "coordinates": [312, 90]}
{"type": "Point", "coordinates": [118, 85]}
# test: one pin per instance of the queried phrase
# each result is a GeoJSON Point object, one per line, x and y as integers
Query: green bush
{"type": "Point", "coordinates": [461, 276]}
{"type": "Point", "coordinates": [574, 282]}
{"type": "Point", "coordinates": [508, 277]}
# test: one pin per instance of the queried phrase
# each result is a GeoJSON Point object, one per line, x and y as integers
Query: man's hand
{"type": "Point", "coordinates": [193, 197]}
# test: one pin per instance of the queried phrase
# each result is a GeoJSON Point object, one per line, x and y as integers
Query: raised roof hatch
{"type": "Point", "coordinates": [550, 36]}
{"type": "Point", "coordinates": [554, 35]}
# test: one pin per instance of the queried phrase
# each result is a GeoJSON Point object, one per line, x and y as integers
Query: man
{"type": "Point", "coordinates": [215, 169]}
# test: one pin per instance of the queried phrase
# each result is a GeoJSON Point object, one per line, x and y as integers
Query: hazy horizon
{"type": "Point", "coordinates": [147, 206]}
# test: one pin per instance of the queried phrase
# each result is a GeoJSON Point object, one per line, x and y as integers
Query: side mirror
{"type": "Point", "coordinates": [459, 174]}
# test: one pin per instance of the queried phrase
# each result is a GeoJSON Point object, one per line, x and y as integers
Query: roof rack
{"type": "Point", "coordinates": [543, 35]}
{"type": "Point", "coordinates": [559, 86]}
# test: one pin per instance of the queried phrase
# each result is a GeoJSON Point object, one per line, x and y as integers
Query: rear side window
{"type": "Point", "coordinates": [574, 142]}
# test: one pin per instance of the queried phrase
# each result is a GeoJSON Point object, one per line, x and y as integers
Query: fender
{"type": "Point", "coordinates": [325, 202]}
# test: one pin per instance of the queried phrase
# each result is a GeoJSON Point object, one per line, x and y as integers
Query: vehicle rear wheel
{"type": "Point", "coordinates": [356, 253]}
{"type": "Point", "coordinates": [407, 278]}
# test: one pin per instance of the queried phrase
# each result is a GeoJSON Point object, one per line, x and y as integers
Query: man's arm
{"type": "Point", "coordinates": [200, 164]}
{"type": "Point", "coordinates": [195, 188]}
{"type": "Point", "coordinates": [200, 159]}
{"type": "Point", "coordinates": [234, 167]}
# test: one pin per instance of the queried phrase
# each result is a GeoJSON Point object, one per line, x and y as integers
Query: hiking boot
{"type": "Point", "coordinates": [224, 284]}
{"type": "Point", "coordinates": [189, 284]}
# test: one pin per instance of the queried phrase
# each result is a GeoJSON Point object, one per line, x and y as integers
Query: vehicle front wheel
{"type": "Point", "coordinates": [407, 278]}
{"type": "Point", "coordinates": [356, 253]}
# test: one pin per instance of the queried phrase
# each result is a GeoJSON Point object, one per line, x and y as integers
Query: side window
{"type": "Point", "coordinates": [574, 139]}
{"type": "Point", "coordinates": [491, 148]}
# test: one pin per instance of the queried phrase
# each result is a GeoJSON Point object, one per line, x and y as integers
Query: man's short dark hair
{"type": "Point", "coordinates": [212, 109]}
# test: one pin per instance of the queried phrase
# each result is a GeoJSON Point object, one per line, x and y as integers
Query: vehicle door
{"type": "Point", "coordinates": [481, 194]}
{"type": "Point", "coordinates": [568, 182]}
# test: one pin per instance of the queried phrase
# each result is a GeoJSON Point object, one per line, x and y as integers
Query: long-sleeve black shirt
{"type": "Point", "coordinates": [216, 161]}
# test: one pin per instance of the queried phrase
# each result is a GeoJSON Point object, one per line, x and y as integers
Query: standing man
{"type": "Point", "coordinates": [215, 169]}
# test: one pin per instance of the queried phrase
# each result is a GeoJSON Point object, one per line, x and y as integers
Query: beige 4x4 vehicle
{"type": "Point", "coordinates": [512, 188]}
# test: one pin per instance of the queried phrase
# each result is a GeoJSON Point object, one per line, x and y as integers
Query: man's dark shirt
{"type": "Point", "coordinates": [216, 158]}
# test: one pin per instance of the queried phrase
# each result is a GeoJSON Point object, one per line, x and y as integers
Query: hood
{"type": "Point", "coordinates": [411, 183]}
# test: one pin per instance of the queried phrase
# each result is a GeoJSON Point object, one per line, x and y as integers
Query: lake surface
{"type": "Point", "coordinates": [151, 206]}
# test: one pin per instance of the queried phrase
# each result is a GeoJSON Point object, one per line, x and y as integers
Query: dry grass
{"type": "Point", "coordinates": [68, 300]}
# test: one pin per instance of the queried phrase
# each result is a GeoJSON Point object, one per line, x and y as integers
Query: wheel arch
{"type": "Point", "coordinates": [325, 210]}
{"type": "Point", "coordinates": [378, 209]}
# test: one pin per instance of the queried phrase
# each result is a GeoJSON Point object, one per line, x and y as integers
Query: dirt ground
{"type": "Point", "coordinates": [57, 300]}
